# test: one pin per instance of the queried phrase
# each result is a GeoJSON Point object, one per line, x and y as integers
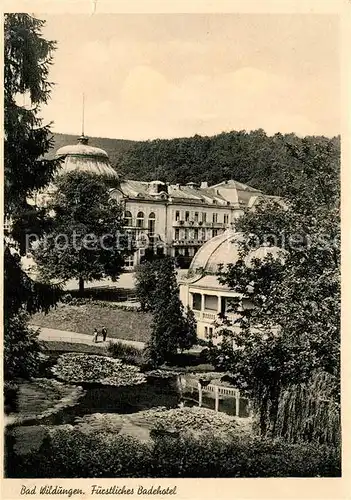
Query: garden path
{"type": "Point", "coordinates": [51, 334]}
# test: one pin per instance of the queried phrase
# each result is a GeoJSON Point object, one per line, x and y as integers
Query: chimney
{"type": "Point", "coordinates": [204, 185]}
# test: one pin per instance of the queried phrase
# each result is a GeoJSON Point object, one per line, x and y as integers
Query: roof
{"type": "Point", "coordinates": [209, 282]}
{"type": "Point", "coordinates": [222, 249]}
{"type": "Point", "coordinates": [266, 251]}
{"type": "Point", "coordinates": [224, 194]}
{"type": "Point", "coordinates": [83, 158]}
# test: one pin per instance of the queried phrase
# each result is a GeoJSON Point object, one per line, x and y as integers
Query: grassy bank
{"type": "Point", "coordinates": [128, 325]}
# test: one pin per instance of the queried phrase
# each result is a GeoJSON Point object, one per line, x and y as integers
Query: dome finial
{"type": "Point", "coordinates": [83, 116]}
{"type": "Point", "coordinates": [83, 139]}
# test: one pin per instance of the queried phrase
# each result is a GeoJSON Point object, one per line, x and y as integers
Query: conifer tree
{"type": "Point", "coordinates": [26, 88]}
{"type": "Point", "coordinates": [172, 328]}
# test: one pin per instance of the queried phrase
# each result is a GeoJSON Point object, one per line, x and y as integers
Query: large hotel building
{"type": "Point", "coordinates": [176, 219]}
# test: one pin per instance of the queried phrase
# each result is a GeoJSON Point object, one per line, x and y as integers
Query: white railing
{"type": "Point", "coordinates": [217, 391]}
{"type": "Point", "coordinates": [207, 315]}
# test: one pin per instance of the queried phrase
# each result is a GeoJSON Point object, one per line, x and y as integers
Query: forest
{"type": "Point", "coordinates": [254, 158]}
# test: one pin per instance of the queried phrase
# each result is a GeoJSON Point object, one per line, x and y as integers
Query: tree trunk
{"type": "Point", "coordinates": [81, 286]}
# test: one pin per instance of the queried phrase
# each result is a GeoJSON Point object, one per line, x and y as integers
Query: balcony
{"type": "Point", "coordinates": [188, 242]}
{"type": "Point", "coordinates": [210, 317]}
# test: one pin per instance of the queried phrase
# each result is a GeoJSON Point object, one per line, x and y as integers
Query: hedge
{"type": "Point", "coordinates": [69, 453]}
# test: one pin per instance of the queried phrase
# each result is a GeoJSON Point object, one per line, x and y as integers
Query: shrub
{"type": "Point", "coordinates": [66, 452]}
{"type": "Point", "coordinates": [245, 458]}
{"type": "Point", "coordinates": [66, 298]}
{"type": "Point", "coordinates": [69, 453]}
{"type": "Point", "coordinates": [127, 353]}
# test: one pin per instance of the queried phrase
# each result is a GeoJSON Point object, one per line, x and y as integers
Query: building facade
{"type": "Point", "coordinates": [201, 290]}
{"type": "Point", "coordinates": [177, 220]}
{"type": "Point", "coordinates": [174, 220]}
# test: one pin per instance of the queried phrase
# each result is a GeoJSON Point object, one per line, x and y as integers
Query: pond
{"type": "Point", "coordinates": [164, 392]}
{"type": "Point", "coordinates": [155, 392]}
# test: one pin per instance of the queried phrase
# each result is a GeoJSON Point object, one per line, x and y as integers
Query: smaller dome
{"type": "Point", "coordinates": [222, 249]}
{"type": "Point", "coordinates": [265, 251]}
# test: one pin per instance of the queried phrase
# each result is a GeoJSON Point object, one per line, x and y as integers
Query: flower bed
{"type": "Point", "coordinates": [85, 368]}
{"type": "Point", "coordinates": [194, 420]}
{"type": "Point", "coordinates": [188, 419]}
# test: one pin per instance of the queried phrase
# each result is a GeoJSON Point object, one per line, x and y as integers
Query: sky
{"type": "Point", "coordinates": [176, 75]}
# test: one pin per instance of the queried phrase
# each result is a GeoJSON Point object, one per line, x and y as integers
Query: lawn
{"type": "Point", "coordinates": [128, 325]}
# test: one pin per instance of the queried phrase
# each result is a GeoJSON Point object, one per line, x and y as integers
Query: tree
{"type": "Point", "coordinates": [27, 58]}
{"type": "Point", "coordinates": [86, 239]}
{"type": "Point", "coordinates": [172, 327]}
{"type": "Point", "coordinates": [293, 327]}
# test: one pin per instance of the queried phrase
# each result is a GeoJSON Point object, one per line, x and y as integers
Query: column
{"type": "Point", "coordinates": [216, 398]}
{"type": "Point", "coordinates": [200, 393]}
{"type": "Point", "coordinates": [219, 305]}
{"type": "Point", "coordinates": [202, 306]}
{"type": "Point", "coordinates": [237, 403]}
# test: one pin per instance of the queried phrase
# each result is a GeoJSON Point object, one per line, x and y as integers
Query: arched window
{"type": "Point", "coordinates": [140, 219]}
{"type": "Point", "coordinates": [152, 223]}
{"type": "Point", "coordinates": [128, 219]}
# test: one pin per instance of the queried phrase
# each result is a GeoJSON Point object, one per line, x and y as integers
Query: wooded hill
{"type": "Point", "coordinates": [253, 157]}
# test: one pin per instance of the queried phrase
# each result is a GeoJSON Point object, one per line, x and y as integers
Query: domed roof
{"type": "Point", "coordinates": [265, 251]}
{"type": "Point", "coordinates": [83, 158]}
{"type": "Point", "coordinates": [222, 249]}
{"type": "Point", "coordinates": [81, 150]}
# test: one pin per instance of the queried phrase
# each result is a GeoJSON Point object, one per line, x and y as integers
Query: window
{"type": "Point", "coordinates": [151, 223]}
{"type": "Point", "coordinates": [210, 332]}
{"type": "Point", "coordinates": [176, 234]}
{"type": "Point", "coordinates": [196, 216]}
{"type": "Point", "coordinates": [186, 234]}
{"type": "Point", "coordinates": [226, 218]}
{"type": "Point", "coordinates": [214, 232]}
{"type": "Point", "coordinates": [191, 252]}
{"type": "Point", "coordinates": [206, 332]}
{"type": "Point", "coordinates": [196, 234]}
{"type": "Point", "coordinates": [203, 234]}
{"type": "Point", "coordinates": [196, 301]}
{"type": "Point", "coordinates": [177, 215]}
{"type": "Point", "coordinates": [140, 219]}
{"type": "Point", "coordinates": [211, 302]}
{"type": "Point", "coordinates": [203, 216]}
{"type": "Point", "coordinates": [129, 262]}
{"type": "Point", "coordinates": [187, 215]}
{"type": "Point", "coordinates": [214, 217]}
{"type": "Point", "coordinates": [128, 219]}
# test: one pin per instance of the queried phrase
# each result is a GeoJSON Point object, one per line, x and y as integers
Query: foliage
{"type": "Point", "coordinates": [145, 284]}
{"type": "Point", "coordinates": [86, 239]}
{"type": "Point", "coordinates": [292, 328]}
{"type": "Point", "coordinates": [21, 349]}
{"type": "Point", "coordinates": [126, 353]}
{"type": "Point", "coordinates": [309, 412]}
{"type": "Point", "coordinates": [189, 419]}
{"type": "Point", "coordinates": [171, 327]}
{"type": "Point", "coordinates": [70, 453]}
{"type": "Point", "coordinates": [27, 58]}
{"type": "Point", "coordinates": [91, 368]}
{"type": "Point", "coordinates": [249, 157]}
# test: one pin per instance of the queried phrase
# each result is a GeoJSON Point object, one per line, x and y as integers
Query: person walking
{"type": "Point", "coordinates": [104, 333]}
{"type": "Point", "coordinates": [95, 335]}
